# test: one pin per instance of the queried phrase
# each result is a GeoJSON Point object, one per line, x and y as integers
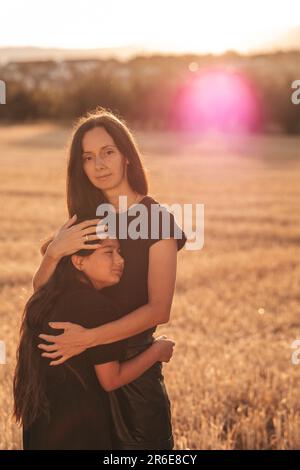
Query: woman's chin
{"type": "Point", "coordinates": [106, 183]}
{"type": "Point", "coordinates": [101, 185]}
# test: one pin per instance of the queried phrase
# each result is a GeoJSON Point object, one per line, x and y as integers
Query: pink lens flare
{"type": "Point", "coordinates": [218, 99]}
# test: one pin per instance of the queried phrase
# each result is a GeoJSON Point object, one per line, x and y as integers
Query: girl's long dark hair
{"type": "Point", "coordinates": [29, 386]}
{"type": "Point", "coordinates": [82, 196]}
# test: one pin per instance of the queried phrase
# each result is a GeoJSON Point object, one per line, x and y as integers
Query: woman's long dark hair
{"type": "Point", "coordinates": [82, 196]}
{"type": "Point", "coordinates": [30, 398]}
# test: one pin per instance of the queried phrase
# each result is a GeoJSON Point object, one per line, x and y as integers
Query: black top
{"type": "Point", "coordinates": [141, 409]}
{"type": "Point", "coordinates": [132, 290]}
{"type": "Point", "coordinates": [79, 408]}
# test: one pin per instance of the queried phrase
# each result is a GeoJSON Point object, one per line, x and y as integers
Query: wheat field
{"type": "Point", "coordinates": [236, 310]}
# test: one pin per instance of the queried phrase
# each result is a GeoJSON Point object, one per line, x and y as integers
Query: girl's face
{"type": "Point", "coordinates": [104, 165]}
{"type": "Point", "coordinates": [104, 267]}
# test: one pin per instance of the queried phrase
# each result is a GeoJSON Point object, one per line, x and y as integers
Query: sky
{"type": "Point", "coordinates": [160, 25]}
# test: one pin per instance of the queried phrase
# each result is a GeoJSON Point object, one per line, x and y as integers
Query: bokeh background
{"type": "Point", "coordinates": [206, 88]}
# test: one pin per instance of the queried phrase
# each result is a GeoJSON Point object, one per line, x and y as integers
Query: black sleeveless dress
{"type": "Point", "coordinates": [141, 410]}
{"type": "Point", "coordinates": [79, 410]}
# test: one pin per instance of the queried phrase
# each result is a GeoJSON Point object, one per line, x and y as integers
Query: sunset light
{"type": "Point", "coordinates": [216, 99]}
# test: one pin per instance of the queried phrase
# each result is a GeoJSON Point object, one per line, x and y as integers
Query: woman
{"type": "Point", "coordinates": [64, 407]}
{"type": "Point", "coordinates": [104, 164]}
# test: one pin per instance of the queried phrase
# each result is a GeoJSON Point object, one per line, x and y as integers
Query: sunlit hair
{"type": "Point", "coordinates": [82, 196]}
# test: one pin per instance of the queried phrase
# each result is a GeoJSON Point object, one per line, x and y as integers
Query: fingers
{"type": "Point", "coordinates": [49, 338]}
{"type": "Point", "coordinates": [60, 325]}
{"type": "Point", "coordinates": [88, 231]}
{"type": "Point", "coordinates": [59, 361]}
{"type": "Point", "coordinates": [70, 221]}
{"type": "Point", "coordinates": [85, 224]}
{"type": "Point", "coordinates": [53, 355]}
{"type": "Point", "coordinates": [48, 347]}
{"type": "Point", "coordinates": [90, 247]}
{"type": "Point", "coordinates": [91, 237]}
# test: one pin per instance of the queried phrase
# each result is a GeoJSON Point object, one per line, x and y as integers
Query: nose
{"type": "Point", "coordinates": [99, 162]}
{"type": "Point", "coordinates": [119, 260]}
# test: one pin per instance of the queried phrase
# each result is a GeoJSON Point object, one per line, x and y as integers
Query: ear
{"type": "Point", "coordinates": [77, 261]}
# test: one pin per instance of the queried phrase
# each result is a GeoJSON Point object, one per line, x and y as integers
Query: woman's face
{"type": "Point", "coordinates": [104, 267]}
{"type": "Point", "coordinates": [104, 165]}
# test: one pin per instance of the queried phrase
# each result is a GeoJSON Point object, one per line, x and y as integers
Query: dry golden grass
{"type": "Point", "coordinates": [231, 381]}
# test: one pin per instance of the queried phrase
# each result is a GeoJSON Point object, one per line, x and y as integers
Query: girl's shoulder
{"type": "Point", "coordinates": [86, 306]}
{"type": "Point", "coordinates": [84, 295]}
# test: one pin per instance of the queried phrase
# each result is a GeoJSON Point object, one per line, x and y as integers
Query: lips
{"type": "Point", "coordinates": [102, 176]}
{"type": "Point", "coordinates": [118, 271]}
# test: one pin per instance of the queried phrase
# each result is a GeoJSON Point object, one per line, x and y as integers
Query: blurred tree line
{"type": "Point", "coordinates": [144, 89]}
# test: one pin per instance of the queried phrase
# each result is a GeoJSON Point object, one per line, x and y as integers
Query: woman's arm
{"type": "Point", "coordinates": [161, 286]}
{"type": "Point", "coordinates": [113, 375]}
{"type": "Point", "coordinates": [44, 271]}
{"type": "Point", "coordinates": [66, 241]}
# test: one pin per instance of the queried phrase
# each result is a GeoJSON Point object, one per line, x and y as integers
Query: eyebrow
{"type": "Point", "coordinates": [104, 146]}
{"type": "Point", "coordinates": [111, 245]}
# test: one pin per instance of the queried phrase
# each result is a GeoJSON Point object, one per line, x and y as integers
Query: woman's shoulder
{"type": "Point", "coordinates": [162, 222]}
{"type": "Point", "coordinates": [148, 200]}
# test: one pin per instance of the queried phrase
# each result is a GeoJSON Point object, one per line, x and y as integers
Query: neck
{"type": "Point", "coordinates": [112, 195]}
{"type": "Point", "coordinates": [98, 285]}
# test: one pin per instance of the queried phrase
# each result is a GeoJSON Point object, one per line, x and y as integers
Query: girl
{"type": "Point", "coordinates": [104, 163]}
{"type": "Point", "coordinates": [64, 407]}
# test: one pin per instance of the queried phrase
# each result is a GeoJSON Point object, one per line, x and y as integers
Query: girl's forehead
{"type": "Point", "coordinates": [111, 242]}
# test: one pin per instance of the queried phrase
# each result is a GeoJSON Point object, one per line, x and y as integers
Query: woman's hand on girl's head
{"type": "Point", "coordinates": [70, 238]}
{"type": "Point", "coordinates": [72, 342]}
{"type": "Point", "coordinates": [165, 348]}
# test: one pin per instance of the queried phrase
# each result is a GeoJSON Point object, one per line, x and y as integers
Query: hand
{"type": "Point", "coordinates": [165, 348]}
{"type": "Point", "coordinates": [72, 342]}
{"type": "Point", "coordinates": [70, 238]}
